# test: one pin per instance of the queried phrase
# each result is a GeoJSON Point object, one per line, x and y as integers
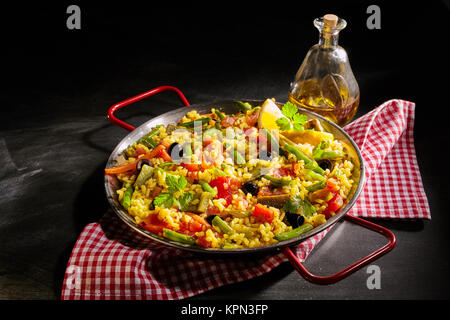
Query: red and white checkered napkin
{"type": "Point", "coordinates": [111, 261]}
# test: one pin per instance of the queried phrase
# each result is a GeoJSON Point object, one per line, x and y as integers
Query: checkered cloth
{"type": "Point", "coordinates": [111, 261]}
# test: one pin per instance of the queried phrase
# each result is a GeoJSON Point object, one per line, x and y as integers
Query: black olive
{"type": "Point", "coordinates": [141, 162]}
{"type": "Point", "coordinates": [295, 219]}
{"type": "Point", "coordinates": [325, 164]}
{"type": "Point", "coordinates": [210, 218]}
{"type": "Point", "coordinates": [176, 151]}
{"type": "Point", "coordinates": [251, 187]}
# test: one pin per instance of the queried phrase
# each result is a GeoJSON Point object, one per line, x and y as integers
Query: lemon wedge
{"type": "Point", "coordinates": [269, 115]}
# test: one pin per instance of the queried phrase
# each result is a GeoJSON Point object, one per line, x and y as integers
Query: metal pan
{"type": "Point", "coordinates": [228, 106]}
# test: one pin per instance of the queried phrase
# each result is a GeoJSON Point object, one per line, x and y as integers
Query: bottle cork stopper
{"type": "Point", "coordinates": [330, 20]}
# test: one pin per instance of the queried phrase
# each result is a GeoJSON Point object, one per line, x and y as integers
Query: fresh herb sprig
{"type": "Point", "coordinates": [168, 199]}
{"type": "Point", "coordinates": [293, 119]}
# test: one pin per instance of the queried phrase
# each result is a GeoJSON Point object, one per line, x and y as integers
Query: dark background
{"type": "Point", "coordinates": [55, 138]}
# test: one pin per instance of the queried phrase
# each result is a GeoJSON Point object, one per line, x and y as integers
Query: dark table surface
{"type": "Point", "coordinates": [55, 138]}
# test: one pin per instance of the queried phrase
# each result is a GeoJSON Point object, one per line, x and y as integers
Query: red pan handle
{"type": "Point", "coordinates": [352, 268]}
{"type": "Point", "coordinates": [141, 96]}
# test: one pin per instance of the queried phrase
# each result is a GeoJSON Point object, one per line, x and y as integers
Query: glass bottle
{"type": "Point", "coordinates": [325, 83]}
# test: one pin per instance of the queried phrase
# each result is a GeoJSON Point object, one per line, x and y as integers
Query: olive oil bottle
{"type": "Point", "coordinates": [325, 83]}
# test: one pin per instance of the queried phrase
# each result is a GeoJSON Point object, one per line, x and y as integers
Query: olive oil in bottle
{"type": "Point", "coordinates": [325, 83]}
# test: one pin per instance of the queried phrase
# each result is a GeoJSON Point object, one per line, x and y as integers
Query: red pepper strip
{"type": "Point", "coordinates": [153, 224]}
{"type": "Point", "coordinates": [121, 169]}
{"type": "Point", "coordinates": [151, 227]}
{"type": "Point", "coordinates": [163, 154]}
{"type": "Point", "coordinates": [155, 152]}
{"type": "Point", "coordinates": [132, 165]}
{"type": "Point", "coordinates": [191, 167]}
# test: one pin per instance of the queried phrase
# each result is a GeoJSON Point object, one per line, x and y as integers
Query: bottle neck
{"type": "Point", "coordinates": [328, 40]}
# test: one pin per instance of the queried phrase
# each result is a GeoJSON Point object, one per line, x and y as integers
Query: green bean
{"type": "Point", "coordinates": [237, 213]}
{"type": "Point", "coordinates": [191, 124]}
{"type": "Point", "coordinates": [317, 186]}
{"type": "Point", "coordinates": [243, 106]}
{"type": "Point", "coordinates": [298, 154]}
{"type": "Point", "coordinates": [166, 164]}
{"type": "Point", "coordinates": [219, 114]}
{"type": "Point", "coordinates": [217, 172]}
{"type": "Point", "coordinates": [309, 164]}
{"type": "Point", "coordinates": [222, 225]}
{"type": "Point", "coordinates": [311, 175]}
{"type": "Point", "coordinates": [321, 155]}
{"type": "Point", "coordinates": [149, 142]}
{"type": "Point", "coordinates": [314, 166]}
{"type": "Point", "coordinates": [330, 155]}
{"type": "Point", "coordinates": [145, 174]}
{"type": "Point", "coordinates": [178, 237]}
{"type": "Point", "coordinates": [277, 181]}
{"type": "Point", "coordinates": [206, 187]}
{"type": "Point", "coordinates": [294, 232]}
{"type": "Point", "coordinates": [255, 109]}
{"type": "Point", "coordinates": [126, 199]}
{"type": "Point", "coordinates": [273, 142]}
{"type": "Point", "coordinates": [204, 201]}
{"type": "Point", "coordinates": [147, 139]}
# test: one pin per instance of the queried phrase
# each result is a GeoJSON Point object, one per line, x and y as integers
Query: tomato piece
{"type": "Point", "coordinates": [195, 226]}
{"type": "Point", "coordinates": [226, 186]}
{"type": "Point", "coordinates": [333, 205]}
{"type": "Point", "coordinates": [263, 213]}
{"type": "Point", "coordinates": [336, 202]}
